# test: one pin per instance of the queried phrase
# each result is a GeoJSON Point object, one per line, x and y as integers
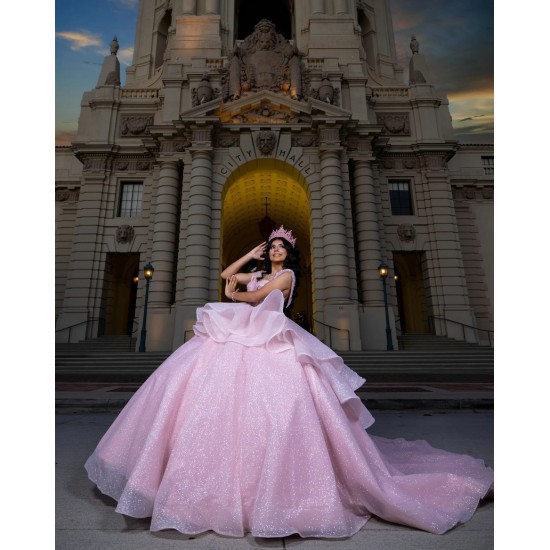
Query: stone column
{"type": "Point", "coordinates": [189, 7]}
{"type": "Point", "coordinates": [339, 310]}
{"type": "Point", "coordinates": [165, 235]}
{"type": "Point", "coordinates": [372, 317]}
{"type": "Point", "coordinates": [197, 261]}
{"type": "Point", "coordinates": [212, 7]}
{"type": "Point", "coordinates": [367, 233]}
{"type": "Point", "coordinates": [334, 228]}
{"type": "Point", "coordinates": [317, 6]}
{"type": "Point", "coordinates": [447, 287]}
{"type": "Point", "coordinates": [82, 308]}
{"type": "Point", "coordinates": [340, 6]}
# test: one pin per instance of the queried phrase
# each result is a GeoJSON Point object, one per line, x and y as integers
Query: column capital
{"type": "Point", "coordinates": [329, 137]}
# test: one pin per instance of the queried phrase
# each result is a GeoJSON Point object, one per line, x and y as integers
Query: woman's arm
{"type": "Point", "coordinates": [283, 282]}
{"type": "Point", "coordinates": [256, 253]}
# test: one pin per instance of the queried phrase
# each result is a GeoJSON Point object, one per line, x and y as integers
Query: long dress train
{"type": "Point", "coordinates": [254, 426]}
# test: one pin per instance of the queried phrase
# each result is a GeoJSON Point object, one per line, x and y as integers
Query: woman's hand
{"type": "Point", "coordinates": [258, 252]}
{"type": "Point", "coordinates": [231, 286]}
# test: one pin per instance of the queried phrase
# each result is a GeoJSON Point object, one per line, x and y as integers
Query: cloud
{"type": "Point", "coordinates": [456, 38]}
{"type": "Point", "coordinates": [64, 138]}
{"type": "Point", "coordinates": [126, 55]}
{"type": "Point", "coordinates": [127, 3]}
{"type": "Point", "coordinates": [80, 40]}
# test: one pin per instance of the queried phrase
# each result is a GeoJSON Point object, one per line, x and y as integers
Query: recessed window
{"type": "Point", "coordinates": [400, 198]}
{"type": "Point", "coordinates": [488, 165]}
{"type": "Point", "coordinates": [130, 199]}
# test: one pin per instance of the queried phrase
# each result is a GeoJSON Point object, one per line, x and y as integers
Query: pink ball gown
{"type": "Point", "coordinates": [253, 426]}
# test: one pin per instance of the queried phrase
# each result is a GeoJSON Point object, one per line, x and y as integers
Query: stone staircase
{"type": "Point", "coordinates": [105, 359]}
{"type": "Point", "coordinates": [421, 359]}
{"type": "Point", "coordinates": [425, 358]}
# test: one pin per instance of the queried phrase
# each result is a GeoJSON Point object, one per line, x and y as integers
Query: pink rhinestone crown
{"type": "Point", "coordinates": [282, 232]}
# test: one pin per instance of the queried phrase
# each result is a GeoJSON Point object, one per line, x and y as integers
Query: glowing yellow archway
{"type": "Point", "coordinates": [244, 205]}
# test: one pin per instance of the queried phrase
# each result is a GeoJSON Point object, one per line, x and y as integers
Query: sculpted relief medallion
{"type": "Point", "coordinates": [265, 141]}
{"type": "Point", "coordinates": [406, 232]}
{"type": "Point", "coordinates": [124, 234]}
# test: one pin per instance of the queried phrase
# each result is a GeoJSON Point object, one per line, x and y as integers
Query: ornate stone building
{"type": "Point", "coordinates": [238, 115]}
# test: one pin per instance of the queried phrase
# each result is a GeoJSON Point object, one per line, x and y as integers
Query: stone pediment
{"type": "Point", "coordinates": [266, 107]}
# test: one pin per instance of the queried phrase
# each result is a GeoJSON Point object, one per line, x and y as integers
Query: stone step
{"type": "Point", "coordinates": [431, 341]}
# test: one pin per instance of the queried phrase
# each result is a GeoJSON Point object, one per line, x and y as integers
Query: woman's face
{"type": "Point", "coordinates": [277, 252]}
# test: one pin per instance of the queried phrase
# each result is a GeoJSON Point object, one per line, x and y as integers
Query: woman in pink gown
{"type": "Point", "coordinates": [253, 426]}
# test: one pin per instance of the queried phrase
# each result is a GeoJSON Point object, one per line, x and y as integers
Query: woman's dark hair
{"type": "Point", "coordinates": [292, 261]}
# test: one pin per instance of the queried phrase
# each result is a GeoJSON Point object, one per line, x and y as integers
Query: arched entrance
{"type": "Point", "coordinates": [257, 196]}
{"type": "Point", "coordinates": [411, 296]}
{"type": "Point", "coordinates": [121, 274]}
{"type": "Point", "coordinates": [249, 13]}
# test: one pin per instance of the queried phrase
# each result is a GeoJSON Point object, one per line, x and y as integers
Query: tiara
{"type": "Point", "coordinates": [282, 232]}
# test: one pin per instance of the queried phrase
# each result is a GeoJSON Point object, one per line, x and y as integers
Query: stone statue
{"type": "Point", "coordinates": [203, 92]}
{"type": "Point", "coordinates": [414, 45]}
{"type": "Point", "coordinates": [418, 69]}
{"type": "Point", "coordinates": [265, 61]}
{"type": "Point", "coordinates": [114, 46]}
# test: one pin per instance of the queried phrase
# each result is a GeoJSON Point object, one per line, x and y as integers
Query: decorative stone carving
{"type": "Point", "coordinates": [203, 92]}
{"type": "Point", "coordinates": [433, 162]}
{"type": "Point", "coordinates": [62, 195]}
{"type": "Point", "coordinates": [227, 141]}
{"type": "Point", "coordinates": [180, 146]}
{"type": "Point", "coordinates": [122, 165]}
{"type": "Point", "coordinates": [124, 234]}
{"type": "Point", "coordinates": [406, 232]}
{"type": "Point", "coordinates": [409, 164]}
{"type": "Point", "coordinates": [487, 193]}
{"type": "Point", "coordinates": [135, 125]}
{"type": "Point", "coordinates": [304, 141]}
{"type": "Point", "coordinates": [326, 92]}
{"type": "Point", "coordinates": [94, 163]}
{"type": "Point", "coordinates": [142, 165]}
{"type": "Point", "coordinates": [266, 141]}
{"type": "Point", "coordinates": [265, 114]}
{"type": "Point", "coordinates": [394, 123]}
{"type": "Point", "coordinates": [265, 61]}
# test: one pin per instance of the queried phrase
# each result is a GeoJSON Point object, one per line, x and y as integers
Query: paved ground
{"type": "Point", "coordinates": [85, 519]}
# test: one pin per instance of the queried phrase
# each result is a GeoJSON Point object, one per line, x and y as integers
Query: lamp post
{"type": "Point", "coordinates": [383, 272]}
{"type": "Point", "coordinates": [148, 271]}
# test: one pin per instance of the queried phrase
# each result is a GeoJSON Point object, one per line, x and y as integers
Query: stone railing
{"type": "Point", "coordinates": [472, 171]}
{"type": "Point", "coordinates": [146, 93]}
{"type": "Point", "coordinates": [215, 63]}
{"type": "Point", "coordinates": [391, 92]}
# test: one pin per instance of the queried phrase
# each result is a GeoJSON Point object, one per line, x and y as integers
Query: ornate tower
{"type": "Point", "coordinates": [232, 106]}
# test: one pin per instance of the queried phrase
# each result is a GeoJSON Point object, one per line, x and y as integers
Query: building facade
{"type": "Point", "coordinates": [237, 117]}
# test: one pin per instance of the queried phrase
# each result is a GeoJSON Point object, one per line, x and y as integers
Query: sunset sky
{"type": "Point", "coordinates": [455, 36]}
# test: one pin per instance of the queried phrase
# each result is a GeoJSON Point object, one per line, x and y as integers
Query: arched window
{"type": "Point", "coordinates": [162, 38]}
{"type": "Point", "coordinates": [367, 38]}
{"type": "Point", "coordinates": [249, 12]}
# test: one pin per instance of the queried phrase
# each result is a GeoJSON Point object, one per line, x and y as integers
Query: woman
{"type": "Point", "coordinates": [254, 426]}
